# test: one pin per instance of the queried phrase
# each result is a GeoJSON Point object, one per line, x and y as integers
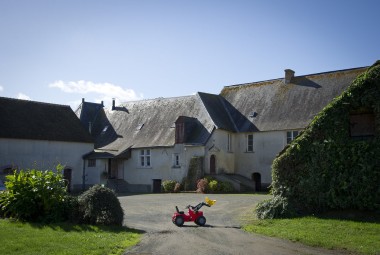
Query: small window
{"type": "Point", "coordinates": [291, 135]}
{"type": "Point", "coordinates": [362, 126]}
{"type": "Point", "coordinates": [249, 143]}
{"type": "Point", "coordinates": [104, 130]}
{"type": "Point", "coordinates": [91, 163]}
{"type": "Point", "coordinates": [176, 160]}
{"type": "Point", "coordinates": [229, 142]}
{"type": "Point", "coordinates": [145, 158]}
{"type": "Point", "coordinates": [139, 126]}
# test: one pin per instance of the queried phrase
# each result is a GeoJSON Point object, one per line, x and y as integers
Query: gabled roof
{"type": "Point", "coordinates": [88, 113]}
{"type": "Point", "coordinates": [22, 119]}
{"type": "Point", "coordinates": [151, 123]}
{"type": "Point", "coordinates": [274, 105]}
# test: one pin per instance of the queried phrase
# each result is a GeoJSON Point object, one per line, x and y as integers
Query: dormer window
{"type": "Point", "coordinates": [104, 130]}
{"type": "Point", "coordinates": [139, 126]}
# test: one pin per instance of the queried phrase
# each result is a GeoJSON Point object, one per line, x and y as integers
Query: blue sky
{"type": "Point", "coordinates": [60, 51]}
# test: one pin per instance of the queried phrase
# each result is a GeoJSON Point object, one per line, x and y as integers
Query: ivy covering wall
{"type": "Point", "coordinates": [326, 167]}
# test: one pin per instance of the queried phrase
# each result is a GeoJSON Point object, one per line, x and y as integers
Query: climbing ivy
{"type": "Point", "coordinates": [325, 168]}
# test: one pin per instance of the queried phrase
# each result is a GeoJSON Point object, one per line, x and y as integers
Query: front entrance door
{"type": "Point", "coordinates": [67, 177]}
{"type": "Point", "coordinates": [156, 185]}
{"type": "Point", "coordinates": [212, 164]}
{"type": "Point", "coordinates": [256, 177]}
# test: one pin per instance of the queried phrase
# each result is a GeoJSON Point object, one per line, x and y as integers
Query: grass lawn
{"type": "Point", "coordinates": [28, 238]}
{"type": "Point", "coordinates": [355, 236]}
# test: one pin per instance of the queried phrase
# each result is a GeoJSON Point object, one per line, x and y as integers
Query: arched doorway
{"type": "Point", "coordinates": [256, 177]}
{"type": "Point", "coordinates": [67, 177]}
{"type": "Point", "coordinates": [212, 164]}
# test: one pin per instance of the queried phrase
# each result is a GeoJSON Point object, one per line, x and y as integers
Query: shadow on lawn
{"type": "Point", "coordinates": [352, 215]}
{"type": "Point", "coordinates": [67, 227]}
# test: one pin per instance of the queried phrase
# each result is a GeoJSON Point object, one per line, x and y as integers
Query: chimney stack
{"type": "Point", "coordinates": [82, 100]}
{"type": "Point", "coordinates": [289, 74]}
{"type": "Point", "coordinates": [102, 103]}
{"type": "Point", "coordinates": [113, 104]}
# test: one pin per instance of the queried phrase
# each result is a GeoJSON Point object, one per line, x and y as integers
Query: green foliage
{"type": "Point", "coordinates": [216, 186]}
{"type": "Point", "coordinates": [100, 205]}
{"type": "Point", "coordinates": [213, 186]}
{"type": "Point", "coordinates": [355, 237]}
{"type": "Point", "coordinates": [276, 207]}
{"type": "Point", "coordinates": [168, 185]}
{"type": "Point", "coordinates": [34, 239]}
{"type": "Point", "coordinates": [326, 169]}
{"type": "Point", "coordinates": [226, 187]}
{"type": "Point", "coordinates": [34, 195]}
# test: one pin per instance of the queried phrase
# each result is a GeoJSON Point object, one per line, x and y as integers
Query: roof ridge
{"type": "Point", "coordinates": [305, 75]}
{"type": "Point", "coordinates": [155, 99]}
{"type": "Point", "coordinates": [32, 101]}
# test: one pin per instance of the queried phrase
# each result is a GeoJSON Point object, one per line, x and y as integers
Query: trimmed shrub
{"type": "Point", "coordinates": [34, 195]}
{"type": "Point", "coordinates": [202, 185]}
{"type": "Point", "coordinates": [168, 185]}
{"type": "Point", "coordinates": [226, 187]}
{"type": "Point", "coordinates": [100, 205]}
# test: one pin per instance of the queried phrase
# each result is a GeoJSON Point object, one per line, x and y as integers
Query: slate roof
{"type": "Point", "coordinates": [280, 106]}
{"type": "Point", "coordinates": [22, 119]}
{"type": "Point", "coordinates": [151, 123]}
{"type": "Point", "coordinates": [88, 113]}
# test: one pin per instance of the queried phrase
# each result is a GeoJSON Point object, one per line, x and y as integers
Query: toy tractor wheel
{"type": "Point", "coordinates": [179, 221]}
{"type": "Point", "coordinates": [201, 221]}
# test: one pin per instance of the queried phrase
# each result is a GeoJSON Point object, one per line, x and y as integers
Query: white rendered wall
{"type": "Point", "coordinates": [43, 155]}
{"type": "Point", "coordinates": [162, 166]}
{"type": "Point", "coordinates": [266, 146]}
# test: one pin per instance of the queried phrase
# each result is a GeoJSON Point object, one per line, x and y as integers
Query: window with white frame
{"type": "Point", "coordinates": [291, 135]}
{"type": "Point", "coordinates": [229, 142]}
{"type": "Point", "coordinates": [250, 143]}
{"type": "Point", "coordinates": [145, 158]}
{"type": "Point", "coordinates": [176, 162]}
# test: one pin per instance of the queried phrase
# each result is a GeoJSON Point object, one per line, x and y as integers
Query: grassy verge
{"type": "Point", "coordinates": [26, 238]}
{"type": "Point", "coordinates": [354, 236]}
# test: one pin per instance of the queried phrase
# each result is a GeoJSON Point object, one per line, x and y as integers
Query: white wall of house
{"type": "Point", "coordinates": [93, 174]}
{"type": "Point", "coordinates": [217, 145]}
{"type": "Point", "coordinates": [266, 146]}
{"type": "Point", "coordinates": [43, 155]}
{"type": "Point", "coordinates": [162, 164]}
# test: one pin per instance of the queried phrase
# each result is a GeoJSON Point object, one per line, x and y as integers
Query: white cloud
{"type": "Point", "coordinates": [1, 88]}
{"type": "Point", "coordinates": [22, 96]}
{"type": "Point", "coordinates": [107, 91]}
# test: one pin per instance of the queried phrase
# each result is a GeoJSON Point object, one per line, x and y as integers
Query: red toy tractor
{"type": "Point", "coordinates": [179, 217]}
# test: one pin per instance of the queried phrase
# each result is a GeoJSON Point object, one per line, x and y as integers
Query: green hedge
{"type": "Point", "coordinates": [327, 169]}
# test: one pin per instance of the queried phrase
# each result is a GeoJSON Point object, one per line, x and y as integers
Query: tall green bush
{"type": "Point", "coordinates": [327, 169]}
{"type": "Point", "coordinates": [34, 195]}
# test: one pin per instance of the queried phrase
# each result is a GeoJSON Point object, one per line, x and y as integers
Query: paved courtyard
{"type": "Point", "coordinates": [152, 213]}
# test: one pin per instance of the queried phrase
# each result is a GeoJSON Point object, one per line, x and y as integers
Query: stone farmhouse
{"type": "Point", "coordinates": [234, 135]}
{"type": "Point", "coordinates": [136, 145]}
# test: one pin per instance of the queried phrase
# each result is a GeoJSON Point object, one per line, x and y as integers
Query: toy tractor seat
{"type": "Point", "coordinates": [178, 211]}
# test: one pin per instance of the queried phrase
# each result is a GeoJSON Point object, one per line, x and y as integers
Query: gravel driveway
{"type": "Point", "coordinates": [221, 234]}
